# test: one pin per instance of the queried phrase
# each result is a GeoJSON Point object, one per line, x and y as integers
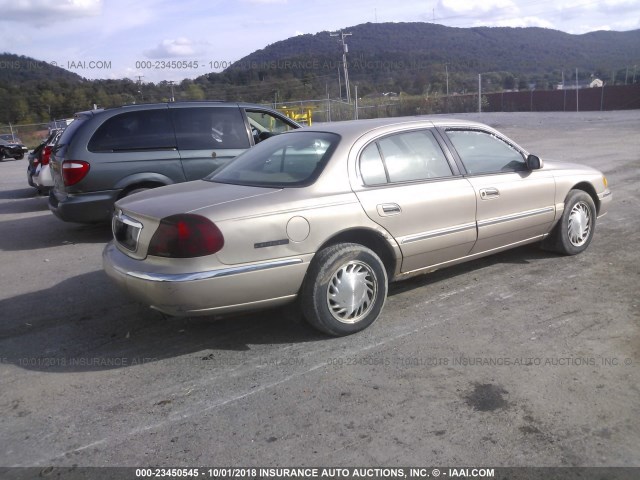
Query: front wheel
{"type": "Point", "coordinates": [345, 289]}
{"type": "Point", "coordinates": [574, 231]}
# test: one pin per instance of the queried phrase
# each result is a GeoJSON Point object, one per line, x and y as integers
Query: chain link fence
{"type": "Point", "coordinates": [619, 97]}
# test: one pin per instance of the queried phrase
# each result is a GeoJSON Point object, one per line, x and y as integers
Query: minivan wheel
{"type": "Point", "coordinates": [136, 190]}
{"type": "Point", "coordinates": [574, 231]}
{"type": "Point", "coordinates": [345, 289]}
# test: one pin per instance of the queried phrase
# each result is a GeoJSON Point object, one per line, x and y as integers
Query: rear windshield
{"type": "Point", "coordinates": [71, 130]}
{"type": "Point", "coordinates": [289, 160]}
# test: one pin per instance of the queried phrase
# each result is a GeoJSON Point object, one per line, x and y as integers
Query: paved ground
{"type": "Point", "coordinates": [523, 358]}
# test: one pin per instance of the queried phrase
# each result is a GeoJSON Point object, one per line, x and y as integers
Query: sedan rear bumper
{"type": "Point", "coordinates": [222, 290]}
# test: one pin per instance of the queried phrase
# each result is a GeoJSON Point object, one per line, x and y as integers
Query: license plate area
{"type": "Point", "coordinates": [126, 230]}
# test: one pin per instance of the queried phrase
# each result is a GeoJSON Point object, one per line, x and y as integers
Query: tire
{"type": "Point", "coordinates": [327, 300]}
{"type": "Point", "coordinates": [134, 191]}
{"type": "Point", "coordinates": [574, 231]}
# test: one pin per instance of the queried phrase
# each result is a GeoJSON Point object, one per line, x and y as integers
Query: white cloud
{"type": "Point", "coordinates": [521, 22]}
{"type": "Point", "coordinates": [472, 7]}
{"type": "Point", "coordinates": [47, 11]}
{"type": "Point", "coordinates": [180, 47]}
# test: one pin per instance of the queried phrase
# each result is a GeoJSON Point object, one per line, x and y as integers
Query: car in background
{"type": "Point", "coordinates": [41, 176]}
{"type": "Point", "coordinates": [10, 137]}
{"type": "Point", "coordinates": [41, 156]}
{"type": "Point", "coordinates": [13, 150]}
{"type": "Point", "coordinates": [327, 216]}
{"type": "Point", "coordinates": [105, 155]}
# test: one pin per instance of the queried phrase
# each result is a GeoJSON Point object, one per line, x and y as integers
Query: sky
{"type": "Point", "coordinates": [155, 40]}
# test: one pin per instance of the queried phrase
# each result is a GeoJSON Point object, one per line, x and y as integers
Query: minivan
{"type": "Point", "coordinates": [107, 154]}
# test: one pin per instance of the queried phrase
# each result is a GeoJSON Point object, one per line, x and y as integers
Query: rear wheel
{"type": "Point", "coordinates": [345, 289]}
{"type": "Point", "coordinates": [574, 231]}
{"type": "Point", "coordinates": [136, 190]}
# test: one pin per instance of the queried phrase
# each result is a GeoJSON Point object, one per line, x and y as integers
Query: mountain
{"type": "Point", "coordinates": [411, 57]}
{"type": "Point", "coordinates": [18, 69]}
{"type": "Point", "coordinates": [525, 50]}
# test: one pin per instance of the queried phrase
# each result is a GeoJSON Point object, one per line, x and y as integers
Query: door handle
{"type": "Point", "coordinates": [489, 193]}
{"type": "Point", "coordinates": [386, 209]}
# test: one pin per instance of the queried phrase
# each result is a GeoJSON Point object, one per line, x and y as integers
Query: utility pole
{"type": "Point", "coordinates": [577, 88]}
{"type": "Point", "coordinates": [140, 86]}
{"type": "Point", "coordinates": [173, 98]}
{"type": "Point", "coordinates": [479, 93]}
{"type": "Point", "coordinates": [355, 111]}
{"type": "Point", "coordinates": [345, 50]}
{"type": "Point", "coordinates": [446, 70]}
{"type": "Point", "coordinates": [326, 87]}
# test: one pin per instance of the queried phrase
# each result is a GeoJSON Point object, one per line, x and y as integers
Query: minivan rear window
{"type": "Point", "coordinates": [71, 130]}
{"type": "Point", "coordinates": [135, 131]}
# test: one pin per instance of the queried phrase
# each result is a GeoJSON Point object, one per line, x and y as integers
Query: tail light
{"type": "Point", "coordinates": [185, 236]}
{"type": "Point", "coordinates": [46, 155]}
{"type": "Point", "coordinates": [73, 171]}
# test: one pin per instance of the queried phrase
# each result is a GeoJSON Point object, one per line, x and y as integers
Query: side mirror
{"type": "Point", "coordinates": [534, 162]}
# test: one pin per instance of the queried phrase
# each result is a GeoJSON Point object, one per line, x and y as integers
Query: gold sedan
{"type": "Point", "coordinates": [328, 216]}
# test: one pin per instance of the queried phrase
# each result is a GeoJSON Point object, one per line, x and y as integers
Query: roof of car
{"type": "Point", "coordinates": [353, 129]}
{"type": "Point", "coordinates": [190, 103]}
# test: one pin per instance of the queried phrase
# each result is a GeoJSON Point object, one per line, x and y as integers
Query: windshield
{"type": "Point", "coordinates": [289, 160]}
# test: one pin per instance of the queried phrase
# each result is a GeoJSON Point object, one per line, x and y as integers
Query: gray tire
{"type": "Point", "coordinates": [574, 232]}
{"type": "Point", "coordinates": [344, 290]}
{"type": "Point", "coordinates": [136, 190]}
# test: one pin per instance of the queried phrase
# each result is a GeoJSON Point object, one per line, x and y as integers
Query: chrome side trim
{"type": "Point", "coordinates": [466, 258]}
{"type": "Point", "coordinates": [438, 233]}
{"type": "Point", "coordinates": [515, 216]}
{"type": "Point", "coordinates": [223, 272]}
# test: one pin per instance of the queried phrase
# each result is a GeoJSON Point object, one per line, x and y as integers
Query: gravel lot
{"type": "Point", "coordinates": [524, 358]}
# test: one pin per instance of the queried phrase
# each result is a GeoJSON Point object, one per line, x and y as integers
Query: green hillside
{"type": "Point", "coordinates": [411, 57]}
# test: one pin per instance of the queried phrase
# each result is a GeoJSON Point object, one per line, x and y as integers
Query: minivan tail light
{"type": "Point", "coordinates": [185, 236]}
{"type": "Point", "coordinates": [73, 171]}
{"type": "Point", "coordinates": [46, 155]}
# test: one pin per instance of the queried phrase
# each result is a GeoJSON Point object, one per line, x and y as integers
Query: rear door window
{"type": "Point", "coordinates": [134, 131]}
{"type": "Point", "coordinates": [404, 157]}
{"type": "Point", "coordinates": [210, 128]}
